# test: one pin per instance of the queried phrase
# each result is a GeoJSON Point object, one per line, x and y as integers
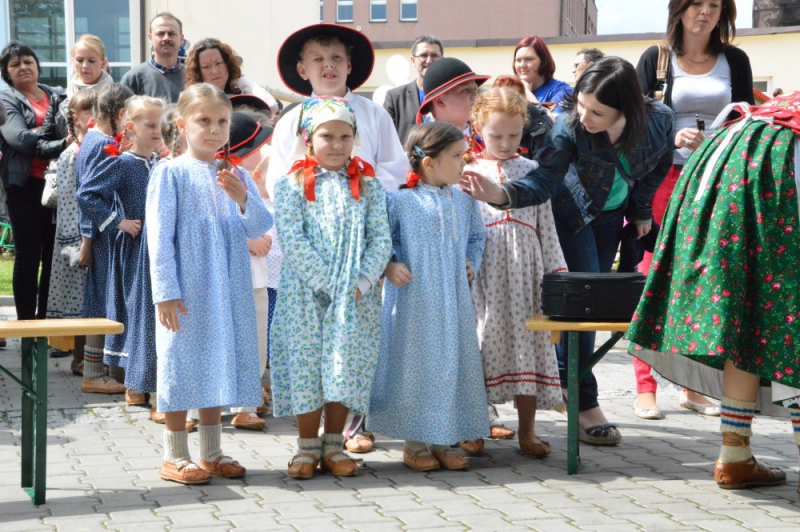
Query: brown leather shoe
{"type": "Point", "coordinates": [501, 432]}
{"type": "Point", "coordinates": [303, 465]}
{"type": "Point", "coordinates": [228, 469]}
{"type": "Point", "coordinates": [157, 417]}
{"type": "Point", "coordinates": [135, 398]}
{"type": "Point", "coordinates": [343, 467]}
{"type": "Point", "coordinates": [421, 460]}
{"type": "Point", "coordinates": [473, 447]}
{"type": "Point", "coordinates": [534, 447]}
{"type": "Point", "coordinates": [359, 443]}
{"type": "Point", "coordinates": [748, 474]}
{"type": "Point", "coordinates": [185, 472]}
{"type": "Point", "coordinates": [77, 367]}
{"type": "Point", "coordinates": [248, 421]}
{"type": "Point", "coordinates": [451, 459]}
{"type": "Point", "coordinates": [191, 425]}
{"type": "Point", "coordinates": [102, 385]}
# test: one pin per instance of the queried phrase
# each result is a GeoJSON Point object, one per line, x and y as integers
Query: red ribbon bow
{"type": "Point", "coordinates": [113, 149]}
{"type": "Point", "coordinates": [233, 159]}
{"type": "Point", "coordinates": [412, 178]}
{"type": "Point", "coordinates": [357, 168]}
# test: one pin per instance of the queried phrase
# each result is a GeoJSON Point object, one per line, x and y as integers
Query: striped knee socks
{"type": "Point", "coordinates": [736, 418]}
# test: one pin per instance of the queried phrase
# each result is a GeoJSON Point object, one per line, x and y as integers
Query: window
{"type": "Point", "coordinates": [377, 11]}
{"type": "Point", "coordinates": [344, 10]}
{"type": "Point", "coordinates": [408, 10]}
{"type": "Point", "coordinates": [51, 28]}
{"type": "Point", "coordinates": [321, 10]}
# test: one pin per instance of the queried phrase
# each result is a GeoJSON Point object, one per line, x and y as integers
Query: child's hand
{"type": "Point", "coordinates": [470, 275]}
{"type": "Point", "coordinates": [260, 246]}
{"type": "Point", "coordinates": [397, 273]}
{"type": "Point", "coordinates": [132, 227]}
{"type": "Point", "coordinates": [233, 187]}
{"type": "Point", "coordinates": [85, 256]}
{"type": "Point", "coordinates": [358, 295]}
{"type": "Point", "coordinates": [168, 313]}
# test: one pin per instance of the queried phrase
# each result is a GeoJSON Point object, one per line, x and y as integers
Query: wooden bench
{"type": "Point", "coordinates": [574, 372]}
{"type": "Point", "coordinates": [33, 381]}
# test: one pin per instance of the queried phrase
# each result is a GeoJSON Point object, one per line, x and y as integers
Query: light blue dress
{"type": "Point", "coordinates": [429, 380]}
{"type": "Point", "coordinates": [196, 238]}
{"type": "Point", "coordinates": [323, 347]}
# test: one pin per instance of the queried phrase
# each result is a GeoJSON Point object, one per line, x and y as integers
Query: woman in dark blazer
{"type": "Point", "coordinates": [22, 172]}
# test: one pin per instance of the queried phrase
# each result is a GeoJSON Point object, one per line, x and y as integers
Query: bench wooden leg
{"type": "Point", "coordinates": [573, 370]}
{"type": "Point", "coordinates": [34, 418]}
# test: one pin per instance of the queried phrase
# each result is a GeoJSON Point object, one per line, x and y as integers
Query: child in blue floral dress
{"type": "Point", "coordinates": [335, 239]}
{"type": "Point", "coordinates": [428, 388]}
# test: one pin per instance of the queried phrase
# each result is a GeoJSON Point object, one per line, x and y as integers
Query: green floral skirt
{"type": "Point", "coordinates": [725, 280]}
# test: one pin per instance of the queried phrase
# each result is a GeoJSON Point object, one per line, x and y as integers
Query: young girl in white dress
{"type": "Point", "coordinates": [521, 246]}
{"type": "Point", "coordinates": [199, 219]}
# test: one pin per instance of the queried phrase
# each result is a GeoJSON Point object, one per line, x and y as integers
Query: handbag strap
{"type": "Point", "coordinates": [662, 65]}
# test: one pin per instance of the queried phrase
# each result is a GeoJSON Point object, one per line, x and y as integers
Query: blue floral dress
{"type": "Point", "coordinates": [196, 237]}
{"type": "Point", "coordinates": [429, 380]}
{"type": "Point", "coordinates": [90, 156]}
{"type": "Point", "coordinates": [128, 298]}
{"type": "Point", "coordinates": [323, 347]}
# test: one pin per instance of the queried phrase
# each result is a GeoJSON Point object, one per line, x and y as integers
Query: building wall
{"type": "Point", "coordinates": [254, 28]}
{"type": "Point", "coordinates": [452, 22]}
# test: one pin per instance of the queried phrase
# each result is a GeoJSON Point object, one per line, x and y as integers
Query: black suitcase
{"type": "Point", "coordinates": [591, 296]}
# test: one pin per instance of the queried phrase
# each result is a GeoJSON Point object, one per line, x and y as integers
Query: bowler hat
{"type": "Point", "coordinates": [444, 75]}
{"type": "Point", "coordinates": [254, 102]}
{"type": "Point", "coordinates": [362, 55]}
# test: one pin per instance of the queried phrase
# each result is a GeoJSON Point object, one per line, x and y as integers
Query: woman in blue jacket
{"type": "Point", "coordinates": [601, 163]}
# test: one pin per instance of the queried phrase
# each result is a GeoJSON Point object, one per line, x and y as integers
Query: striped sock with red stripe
{"type": "Point", "coordinates": [736, 417]}
{"type": "Point", "coordinates": [796, 425]}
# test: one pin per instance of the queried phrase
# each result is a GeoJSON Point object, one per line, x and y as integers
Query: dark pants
{"type": "Point", "coordinates": [592, 249]}
{"type": "Point", "coordinates": [34, 233]}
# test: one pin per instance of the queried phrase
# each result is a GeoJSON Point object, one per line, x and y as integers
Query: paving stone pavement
{"type": "Point", "coordinates": [103, 460]}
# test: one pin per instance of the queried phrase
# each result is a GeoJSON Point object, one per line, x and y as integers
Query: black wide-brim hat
{"type": "Point", "coordinates": [250, 100]}
{"type": "Point", "coordinates": [444, 75]}
{"type": "Point", "coordinates": [247, 135]}
{"type": "Point", "coordinates": [362, 57]}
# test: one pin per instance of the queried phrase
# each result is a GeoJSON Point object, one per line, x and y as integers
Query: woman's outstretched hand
{"type": "Point", "coordinates": [483, 188]}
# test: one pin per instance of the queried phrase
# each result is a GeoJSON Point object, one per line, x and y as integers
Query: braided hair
{"type": "Point", "coordinates": [169, 130]}
{"type": "Point", "coordinates": [85, 100]}
{"type": "Point", "coordinates": [109, 102]}
{"type": "Point", "coordinates": [429, 139]}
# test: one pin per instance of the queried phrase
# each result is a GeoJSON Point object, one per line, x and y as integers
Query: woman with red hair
{"type": "Point", "coordinates": [534, 65]}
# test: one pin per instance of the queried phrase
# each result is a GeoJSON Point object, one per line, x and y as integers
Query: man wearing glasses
{"type": "Point", "coordinates": [402, 102]}
{"type": "Point", "coordinates": [585, 58]}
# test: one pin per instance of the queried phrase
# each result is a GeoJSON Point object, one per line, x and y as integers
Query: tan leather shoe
{"type": "Point", "coordinates": [157, 417]}
{"type": "Point", "coordinates": [421, 460]}
{"type": "Point", "coordinates": [102, 385]}
{"type": "Point", "coordinates": [223, 466]}
{"type": "Point", "coordinates": [359, 443]}
{"type": "Point", "coordinates": [135, 398]}
{"type": "Point", "coordinates": [191, 425]}
{"type": "Point", "coordinates": [302, 466]}
{"type": "Point", "coordinates": [185, 472]}
{"type": "Point", "coordinates": [451, 459]}
{"type": "Point", "coordinates": [473, 447]}
{"type": "Point", "coordinates": [248, 421]}
{"type": "Point", "coordinates": [534, 447]}
{"type": "Point", "coordinates": [501, 432]}
{"type": "Point", "coordinates": [748, 474]}
{"type": "Point", "coordinates": [341, 467]}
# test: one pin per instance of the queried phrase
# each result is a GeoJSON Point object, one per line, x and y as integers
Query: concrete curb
{"type": "Point", "coordinates": [6, 301]}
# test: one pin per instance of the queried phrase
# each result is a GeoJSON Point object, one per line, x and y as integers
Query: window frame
{"type": "Point", "coordinates": [415, 3]}
{"type": "Point", "coordinates": [384, 3]}
{"type": "Point", "coordinates": [344, 3]}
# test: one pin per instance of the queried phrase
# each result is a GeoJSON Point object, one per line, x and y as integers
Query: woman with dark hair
{"type": "Point", "coordinates": [602, 162]}
{"type": "Point", "coordinates": [22, 168]}
{"type": "Point", "coordinates": [704, 74]}
{"type": "Point", "coordinates": [534, 65]}
{"type": "Point", "coordinates": [212, 61]}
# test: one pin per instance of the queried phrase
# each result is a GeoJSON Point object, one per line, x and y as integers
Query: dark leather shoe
{"type": "Point", "coordinates": [749, 474]}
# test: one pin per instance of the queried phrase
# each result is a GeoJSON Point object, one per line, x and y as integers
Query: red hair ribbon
{"type": "Point", "coordinates": [355, 170]}
{"type": "Point", "coordinates": [412, 178]}
{"type": "Point", "coordinates": [308, 165]}
{"type": "Point", "coordinates": [113, 149]}
{"type": "Point", "coordinates": [233, 159]}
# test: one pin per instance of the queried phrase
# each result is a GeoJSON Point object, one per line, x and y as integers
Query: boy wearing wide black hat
{"type": "Point", "coordinates": [333, 60]}
{"type": "Point", "coordinates": [451, 88]}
